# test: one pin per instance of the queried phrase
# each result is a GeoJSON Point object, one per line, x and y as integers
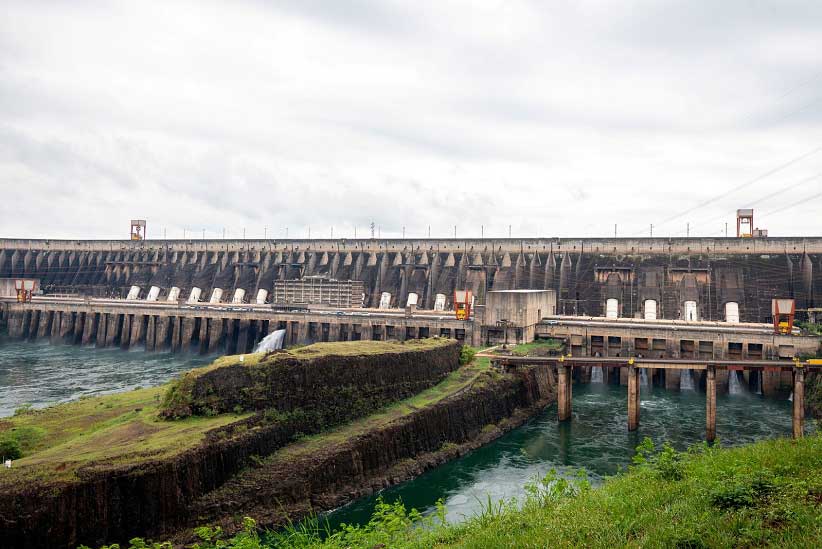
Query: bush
{"type": "Point", "coordinates": [466, 355]}
{"type": "Point", "coordinates": [10, 448]}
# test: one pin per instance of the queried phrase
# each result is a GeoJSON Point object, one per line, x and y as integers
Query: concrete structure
{"type": "Point", "coordinates": [518, 312]}
{"type": "Point", "coordinates": [564, 367]}
{"type": "Point", "coordinates": [677, 339]}
{"type": "Point", "coordinates": [584, 273]}
{"type": "Point", "coordinates": [209, 328]}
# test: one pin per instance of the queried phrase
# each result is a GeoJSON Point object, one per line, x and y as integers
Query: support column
{"type": "Point", "coordinates": [113, 328]}
{"type": "Point", "coordinates": [102, 322]}
{"type": "Point", "coordinates": [66, 327]}
{"type": "Point", "coordinates": [137, 335]}
{"type": "Point", "coordinates": [44, 329]}
{"type": "Point", "coordinates": [242, 336]}
{"type": "Point", "coordinates": [34, 322]}
{"type": "Point", "coordinates": [204, 335]}
{"type": "Point", "coordinates": [151, 331]}
{"type": "Point", "coordinates": [215, 333]}
{"type": "Point", "coordinates": [302, 332]}
{"type": "Point", "coordinates": [186, 333]}
{"type": "Point", "coordinates": [163, 324]}
{"type": "Point", "coordinates": [672, 379]}
{"type": "Point", "coordinates": [633, 397]}
{"type": "Point", "coordinates": [176, 329]}
{"type": "Point", "coordinates": [125, 331]}
{"type": "Point", "coordinates": [798, 401]}
{"type": "Point", "coordinates": [89, 328]}
{"type": "Point", "coordinates": [710, 403]}
{"type": "Point", "coordinates": [79, 324]}
{"type": "Point", "coordinates": [563, 392]}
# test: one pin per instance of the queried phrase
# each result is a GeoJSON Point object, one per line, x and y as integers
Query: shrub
{"type": "Point", "coordinates": [10, 448]}
{"type": "Point", "coordinates": [466, 355]}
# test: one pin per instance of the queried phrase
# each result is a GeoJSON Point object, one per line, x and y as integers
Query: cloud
{"type": "Point", "coordinates": [559, 118]}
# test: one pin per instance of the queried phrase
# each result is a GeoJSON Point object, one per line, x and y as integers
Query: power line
{"type": "Point", "coordinates": [743, 185]}
{"type": "Point", "coordinates": [761, 199]}
{"type": "Point", "coordinates": [789, 206]}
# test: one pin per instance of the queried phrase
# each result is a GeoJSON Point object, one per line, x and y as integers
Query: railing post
{"type": "Point", "coordinates": [710, 403]}
{"type": "Point", "coordinates": [798, 400]}
{"type": "Point", "coordinates": [633, 396]}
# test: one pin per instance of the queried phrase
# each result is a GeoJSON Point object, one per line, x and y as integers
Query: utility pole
{"type": "Point", "coordinates": [332, 233]}
{"type": "Point", "coordinates": [615, 230]}
{"type": "Point", "coordinates": [455, 231]}
{"type": "Point", "coordinates": [309, 232]}
{"type": "Point", "coordinates": [372, 230]}
{"type": "Point", "coordinates": [243, 233]}
{"type": "Point", "coordinates": [482, 231]}
{"type": "Point", "coordinates": [355, 232]}
{"type": "Point", "coordinates": [265, 233]}
{"type": "Point", "coordinates": [429, 231]}
{"type": "Point", "coordinates": [688, 230]}
{"type": "Point", "coordinates": [652, 230]}
{"type": "Point", "coordinates": [403, 231]}
{"type": "Point", "coordinates": [509, 231]}
{"type": "Point", "coordinates": [726, 229]}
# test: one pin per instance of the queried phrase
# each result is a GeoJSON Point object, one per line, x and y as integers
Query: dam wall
{"type": "Point", "coordinates": [705, 272]}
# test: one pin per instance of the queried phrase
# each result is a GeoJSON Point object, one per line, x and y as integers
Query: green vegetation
{"type": "Point", "coordinates": [538, 347]}
{"type": "Point", "coordinates": [765, 494]}
{"type": "Point", "coordinates": [815, 329]}
{"type": "Point", "coordinates": [56, 441]}
{"type": "Point", "coordinates": [252, 378]}
{"type": "Point", "coordinates": [467, 354]}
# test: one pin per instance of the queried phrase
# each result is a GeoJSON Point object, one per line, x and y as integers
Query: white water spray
{"type": "Point", "coordinates": [271, 342]}
{"type": "Point", "coordinates": [686, 381]}
{"type": "Point", "coordinates": [734, 386]}
{"type": "Point", "coordinates": [643, 378]}
{"type": "Point", "coordinates": [596, 375]}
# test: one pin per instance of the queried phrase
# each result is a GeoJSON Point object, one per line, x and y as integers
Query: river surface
{"type": "Point", "coordinates": [596, 441]}
{"type": "Point", "coordinates": [41, 374]}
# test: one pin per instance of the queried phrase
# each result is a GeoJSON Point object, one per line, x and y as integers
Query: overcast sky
{"type": "Point", "coordinates": [558, 118]}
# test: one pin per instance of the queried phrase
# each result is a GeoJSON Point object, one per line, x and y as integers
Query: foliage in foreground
{"type": "Point", "coordinates": [765, 494]}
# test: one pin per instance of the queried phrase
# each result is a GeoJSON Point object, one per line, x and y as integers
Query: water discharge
{"type": "Point", "coordinates": [734, 386]}
{"type": "Point", "coordinates": [271, 342]}
{"type": "Point", "coordinates": [596, 441]}
{"type": "Point", "coordinates": [596, 375]}
{"type": "Point", "coordinates": [686, 381]}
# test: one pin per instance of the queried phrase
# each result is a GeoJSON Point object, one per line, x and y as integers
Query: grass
{"type": "Point", "coordinates": [525, 349]}
{"type": "Point", "coordinates": [122, 426]}
{"type": "Point", "coordinates": [767, 494]}
{"type": "Point", "coordinates": [316, 350]}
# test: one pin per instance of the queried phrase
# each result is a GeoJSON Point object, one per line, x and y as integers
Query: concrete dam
{"type": "Point", "coordinates": [665, 278]}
